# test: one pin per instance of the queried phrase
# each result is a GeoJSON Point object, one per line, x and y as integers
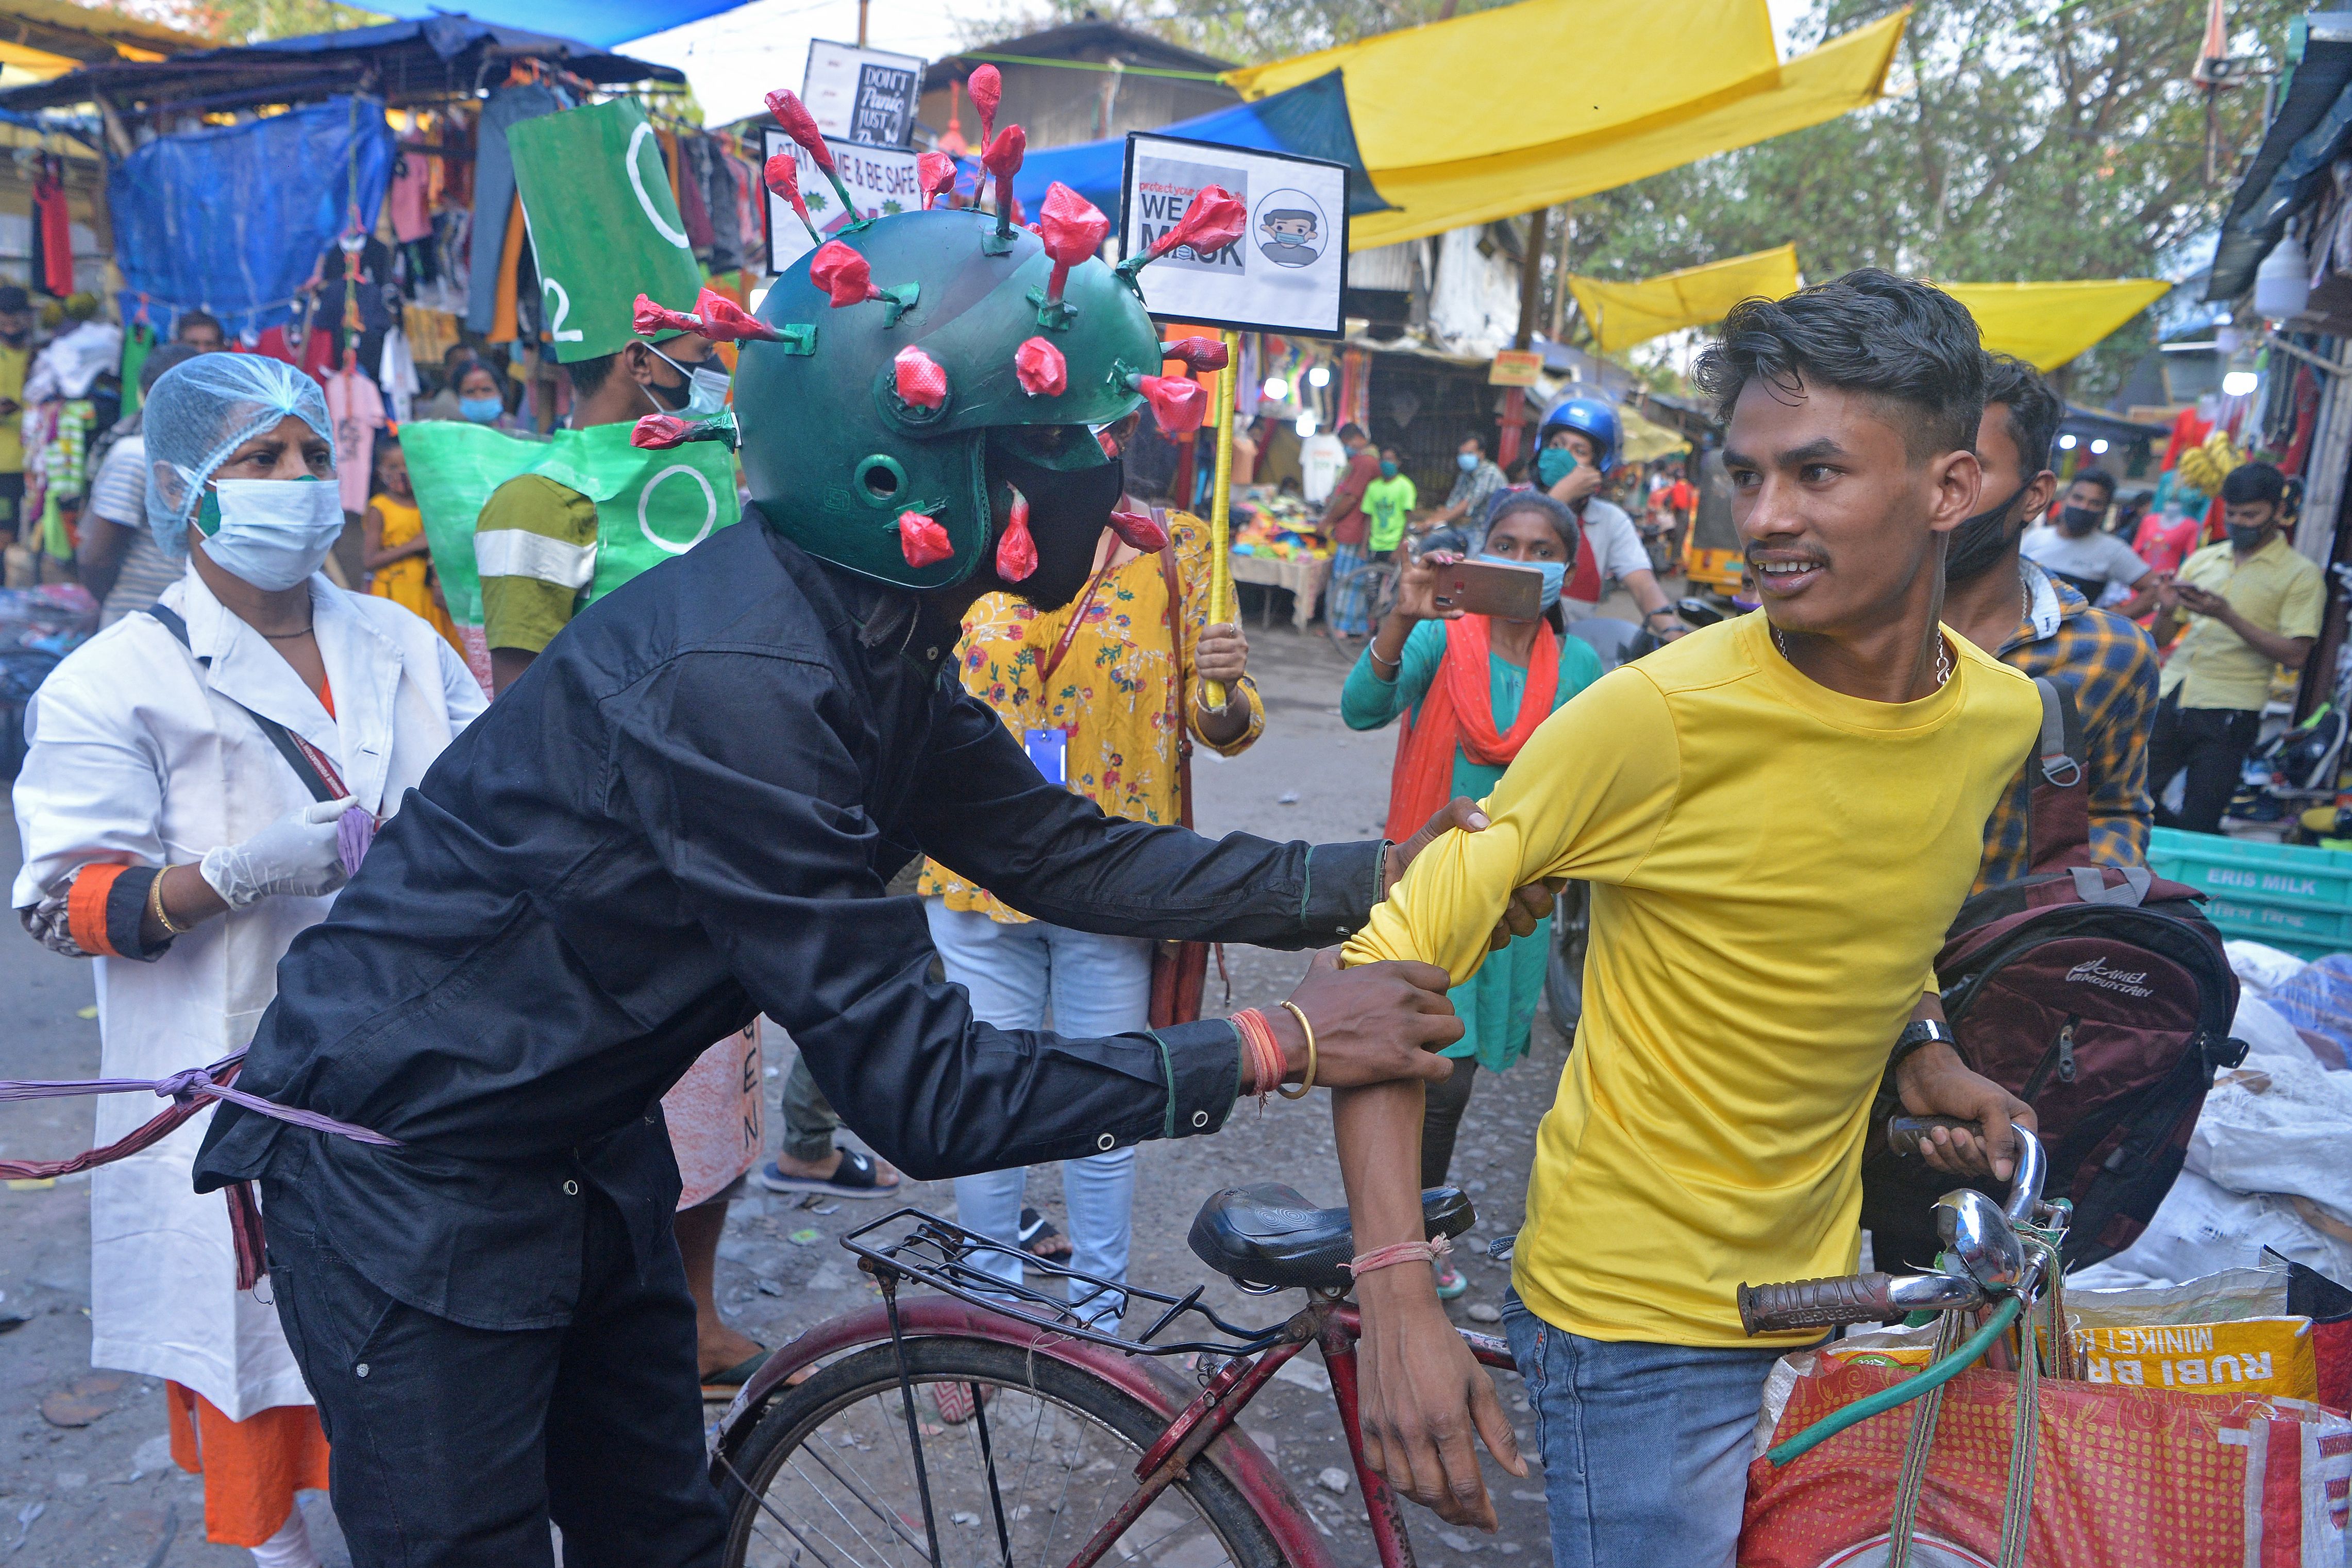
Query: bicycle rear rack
{"type": "Point", "coordinates": [940, 1253]}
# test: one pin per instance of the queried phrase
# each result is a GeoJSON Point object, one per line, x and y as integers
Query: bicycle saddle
{"type": "Point", "coordinates": [1269, 1235]}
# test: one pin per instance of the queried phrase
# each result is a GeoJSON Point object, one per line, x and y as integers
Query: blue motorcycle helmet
{"type": "Point", "coordinates": [1589, 417]}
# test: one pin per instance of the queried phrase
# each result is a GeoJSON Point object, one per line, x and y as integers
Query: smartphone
{"type": "Point", "coordinates": [1502, 589]}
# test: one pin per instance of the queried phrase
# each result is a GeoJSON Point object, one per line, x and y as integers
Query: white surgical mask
{"type": "Point", "coordinates": [273, 533]}
{"type": "Point", "coordinates": [705, 387]}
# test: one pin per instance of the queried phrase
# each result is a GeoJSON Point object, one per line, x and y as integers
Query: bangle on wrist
{"type": "Point", "coordinates": [155, 907]}
{"type": "Point", "coordinates": [1261, 1051]}
{"type": "Point", "coordinates": [1309, 1031]}
{"type": "Point", "coordinates": [1372, 652]}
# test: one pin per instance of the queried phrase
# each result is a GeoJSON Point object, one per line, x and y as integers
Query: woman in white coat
{"type": "Point", "coordinates": [168, 836]}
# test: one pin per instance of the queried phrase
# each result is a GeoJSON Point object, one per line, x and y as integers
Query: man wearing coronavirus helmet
{"type": "Point", "coordinates": [1577, 444]}
{"type": "Point", "coordinates": [684, 813]}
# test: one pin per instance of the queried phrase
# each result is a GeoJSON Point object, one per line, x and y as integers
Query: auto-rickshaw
{"type": "Point", "coordinates": [1718, 563]}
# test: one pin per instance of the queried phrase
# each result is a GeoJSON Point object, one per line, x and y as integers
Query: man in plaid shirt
{"type": "Point", "coordinates": [2023, 616]}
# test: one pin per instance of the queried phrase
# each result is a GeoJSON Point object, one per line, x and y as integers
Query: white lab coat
{"type": "Point", "coordinates": [139, 756]}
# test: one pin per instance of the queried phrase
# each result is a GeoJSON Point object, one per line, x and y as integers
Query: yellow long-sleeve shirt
{"type": "Point", "coordinates": [1773, 864]}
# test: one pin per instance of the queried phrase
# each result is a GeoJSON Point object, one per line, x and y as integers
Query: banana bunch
{"type": "Point", "coordinates": [2203, 467]}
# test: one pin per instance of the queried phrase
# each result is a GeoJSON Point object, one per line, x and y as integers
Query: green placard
{"type": "Point", "coordinates": [650, 506]}
{"type": "Point", "coordinates": [603, 223]}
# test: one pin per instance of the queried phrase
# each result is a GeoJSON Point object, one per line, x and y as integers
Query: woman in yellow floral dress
{"type": "Point", "coordinates": [1093, 692]}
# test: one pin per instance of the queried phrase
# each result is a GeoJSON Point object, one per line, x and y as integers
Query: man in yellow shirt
{"type": "Point", "coordinates": [2252, 604]}
{"type": "Point", "coordinates": [1779, 816]}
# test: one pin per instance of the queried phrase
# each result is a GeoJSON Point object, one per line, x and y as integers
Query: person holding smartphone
{"type": "Point", "coordinates": [1471, 689]}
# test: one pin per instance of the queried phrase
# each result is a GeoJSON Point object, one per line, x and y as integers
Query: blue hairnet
{"type": "Point", "coordinates": [201, 412]}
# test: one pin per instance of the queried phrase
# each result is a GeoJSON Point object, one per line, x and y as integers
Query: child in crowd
{"type": "Point", "coordinates": [393, 544]}
{"type": "Point", "coordinates": [1387, 501]}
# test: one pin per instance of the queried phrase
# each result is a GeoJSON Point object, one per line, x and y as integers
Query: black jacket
{"type": "Point", "coordinates": [684, 815]}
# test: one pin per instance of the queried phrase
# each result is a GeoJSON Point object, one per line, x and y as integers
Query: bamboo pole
{"type": "Point", "coordinates": [1221, 496]}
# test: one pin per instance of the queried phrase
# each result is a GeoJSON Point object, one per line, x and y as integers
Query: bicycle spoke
{"type": "Point", "coordinates": [769, 1509]}
{"type": "Point", "coordinates": [988, 1468]}
{"type": "Point", "coordinates": [844, 1518]}
{"type": "Point", "coordinates": [862, 1488]}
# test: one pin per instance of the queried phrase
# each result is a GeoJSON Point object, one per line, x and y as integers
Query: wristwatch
{"type": "Point", "coordinates": [1916, 1033]}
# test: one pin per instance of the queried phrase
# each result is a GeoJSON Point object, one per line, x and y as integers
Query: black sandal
{"type": "Point", "coordinates": [856, 1176]}
{"type": "Point", "coordinates": [1036, 1231]}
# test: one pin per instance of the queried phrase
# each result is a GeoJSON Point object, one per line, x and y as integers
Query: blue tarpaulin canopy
{"type": "Point", "coordinates": [603, 22]}
{"type": "Point", "coordinates": [404, 60]}
{"type": "Point", "coordinates": [1310, 119]}
{"type": "Point", "coordinates": [208, 220]}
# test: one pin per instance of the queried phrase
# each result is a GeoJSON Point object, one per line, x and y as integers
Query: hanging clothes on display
{"type": "Point", "coordinates": [378, 298]}
{"type": "Point", "coordinates": [357, 409]}
{"type": "Point", "coordinates": [137, 344]}
{"type": "Point", "coordinates": [52, 265]}
{"type": "Point", "coordinates": [395, 376]}
{"type": "Point", "coordinates": [726, 212]}
{"type": "Point", "coordinates": [494, 205]}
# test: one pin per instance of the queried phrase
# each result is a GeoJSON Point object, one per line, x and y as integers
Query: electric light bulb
{"type": "Point", "coordinates": [1276, 389]}
{"type": "Point", "coordinates": [1320, 376]}
{"type": "Point", "coordinates": [2066, 444]}
{"type": "Point", "coordinates": [2097, 447]}
{"type": "Point", "coordinates": [1305, 425]}
{"type": "Point", "coordinates": [2237, 383]}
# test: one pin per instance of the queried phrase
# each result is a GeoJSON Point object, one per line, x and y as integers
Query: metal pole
{"type": "Point", "coordinates": [1221, 496]}
{"type": "Point", "coordinates": [861, 21]}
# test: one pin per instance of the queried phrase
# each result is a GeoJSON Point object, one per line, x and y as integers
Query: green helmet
{"type": "Point", "coordinates": [836, 456]}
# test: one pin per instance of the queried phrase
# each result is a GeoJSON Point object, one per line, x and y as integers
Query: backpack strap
{"type": "Point", "coordinates": [2091, 885]}
{"type": "Point", "coordinates": [297, 755]}
{"type": "Point", "coordinates": [2058, 815]}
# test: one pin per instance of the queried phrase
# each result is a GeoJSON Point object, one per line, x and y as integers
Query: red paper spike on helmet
{"type": "Point", "coordinates": [783, 177]}
{"type": "Point", "coordinates": [1073, 229]}
{"type": "Point", "coordinates": [724, 321]}
{"type": "Point", "coordinates": [1003, 160]}
{"type": "Point", "coordinates": [660, 432]}
{"type": "Point", "coordinates": [1198, 354]}
{"type": "Point", "coordinates": [1041, 369]}
{"type": "Point", "coordinates": [921, 540]}
{"type": "Point", "coordinates": [1215, 219]}
{"type": "Point", "coordinates": [648, 318]}
{"type": "Point", "coordinates": [844, 273]}
{"type": "Point", "coordinates": [935, 175]}
{"type": "Point", "coordinates": [800, 126]}
{"type": "Point", "coordinates": [922, 381]}
{"type": "Point", "coordinates": [1139, 530]}
{"type": "Point", "coordinates": [987, 89]}
{"type": "Point", "coordinates": [1179, 404]}
{"type": "Point", "coordinates": [1016, 553]}
{"type": "Point", "coordinates": [1109, 443]}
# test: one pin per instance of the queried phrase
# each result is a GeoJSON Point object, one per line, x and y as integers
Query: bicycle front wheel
{"type": "Point", "coordinates": [1026, 1477]}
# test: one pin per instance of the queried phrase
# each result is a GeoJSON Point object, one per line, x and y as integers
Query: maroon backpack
{"type": "Point", "coordinates": [2100, 997]}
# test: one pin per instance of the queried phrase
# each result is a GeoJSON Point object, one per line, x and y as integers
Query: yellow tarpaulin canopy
{"type": "Point", "coordinates": [1624, 314]}
{"type": "Point", "coordinates": [2047, 324]}
{"type": "Point", "coordinates": [1646, 440]}
{"type": "Point", "coordinates": [1703, 78]}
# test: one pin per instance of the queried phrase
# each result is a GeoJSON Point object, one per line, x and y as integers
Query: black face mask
{"type": "Point", "coordinates": [1979, 542]}
{"type": "Point", "coordinates": [2079, 520]}
{"type": "Point", "coordinates": [1068, 511]}
{"type": "Point", "coordinates": [2245, 540]}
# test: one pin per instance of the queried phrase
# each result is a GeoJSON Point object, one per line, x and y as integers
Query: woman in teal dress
{"type": "Point", "coordinates": [1471, 690]}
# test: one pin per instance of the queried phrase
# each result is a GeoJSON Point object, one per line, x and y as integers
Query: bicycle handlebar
{"type": "Point", "coordinates": [1904, 1134]}
{"type": "Point", "coordinates": [1875, 1298]}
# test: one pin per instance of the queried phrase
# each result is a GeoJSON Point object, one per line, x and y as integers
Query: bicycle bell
{"type": "Point", "coordinates": [1978, 1234]}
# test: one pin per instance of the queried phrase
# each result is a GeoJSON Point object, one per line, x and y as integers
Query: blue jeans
{"type": "Point", "coordinates": [1644, 1447]}
{"type": "Point", "coordinates": [1348, 613]}
{"type": "Point", "coordinates": [1098, 986]}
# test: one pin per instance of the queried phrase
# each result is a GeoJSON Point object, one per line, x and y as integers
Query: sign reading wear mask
{"type": "Point", "coordinates": [650, 506]}
{"type": "Point", "coordinates": [880, 182]}
{"type": "Point", "coordinates": [1287, 272]}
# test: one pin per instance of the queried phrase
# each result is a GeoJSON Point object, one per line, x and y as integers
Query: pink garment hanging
{"type": "Point", "coordinates": [357, 409]}
{"type": "Point", "coordinates": [408, 197]}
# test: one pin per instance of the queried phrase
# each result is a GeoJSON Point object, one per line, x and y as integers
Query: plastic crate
{"type": "Point", "coordinates": [2290, 896]}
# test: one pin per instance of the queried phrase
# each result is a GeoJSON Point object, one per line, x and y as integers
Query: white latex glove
{"type": "Point", "coordinates": [294, 854]}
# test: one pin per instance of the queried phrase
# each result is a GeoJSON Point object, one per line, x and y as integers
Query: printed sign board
{"type": "Point", "coordinates": [1515, 368]}
{"type": "Point", "coordinates": [1287, 272]}
{"type": "Point", "coordinates": [862, 95]}
{"type": "Point", "coordinates": [880, 181]}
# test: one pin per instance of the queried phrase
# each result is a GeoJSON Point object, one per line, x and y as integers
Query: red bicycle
{"type": "Point", "coordinates": [992, 1425]}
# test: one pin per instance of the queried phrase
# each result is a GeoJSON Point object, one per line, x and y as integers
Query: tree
{"type": "Point", "coordinates": [1247, 32]}
{"type": "Point", "coordinates": [2020, 141]}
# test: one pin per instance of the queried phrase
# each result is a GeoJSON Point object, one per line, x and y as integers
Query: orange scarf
{"type": "Point", "coordinates": [1458, 714]}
